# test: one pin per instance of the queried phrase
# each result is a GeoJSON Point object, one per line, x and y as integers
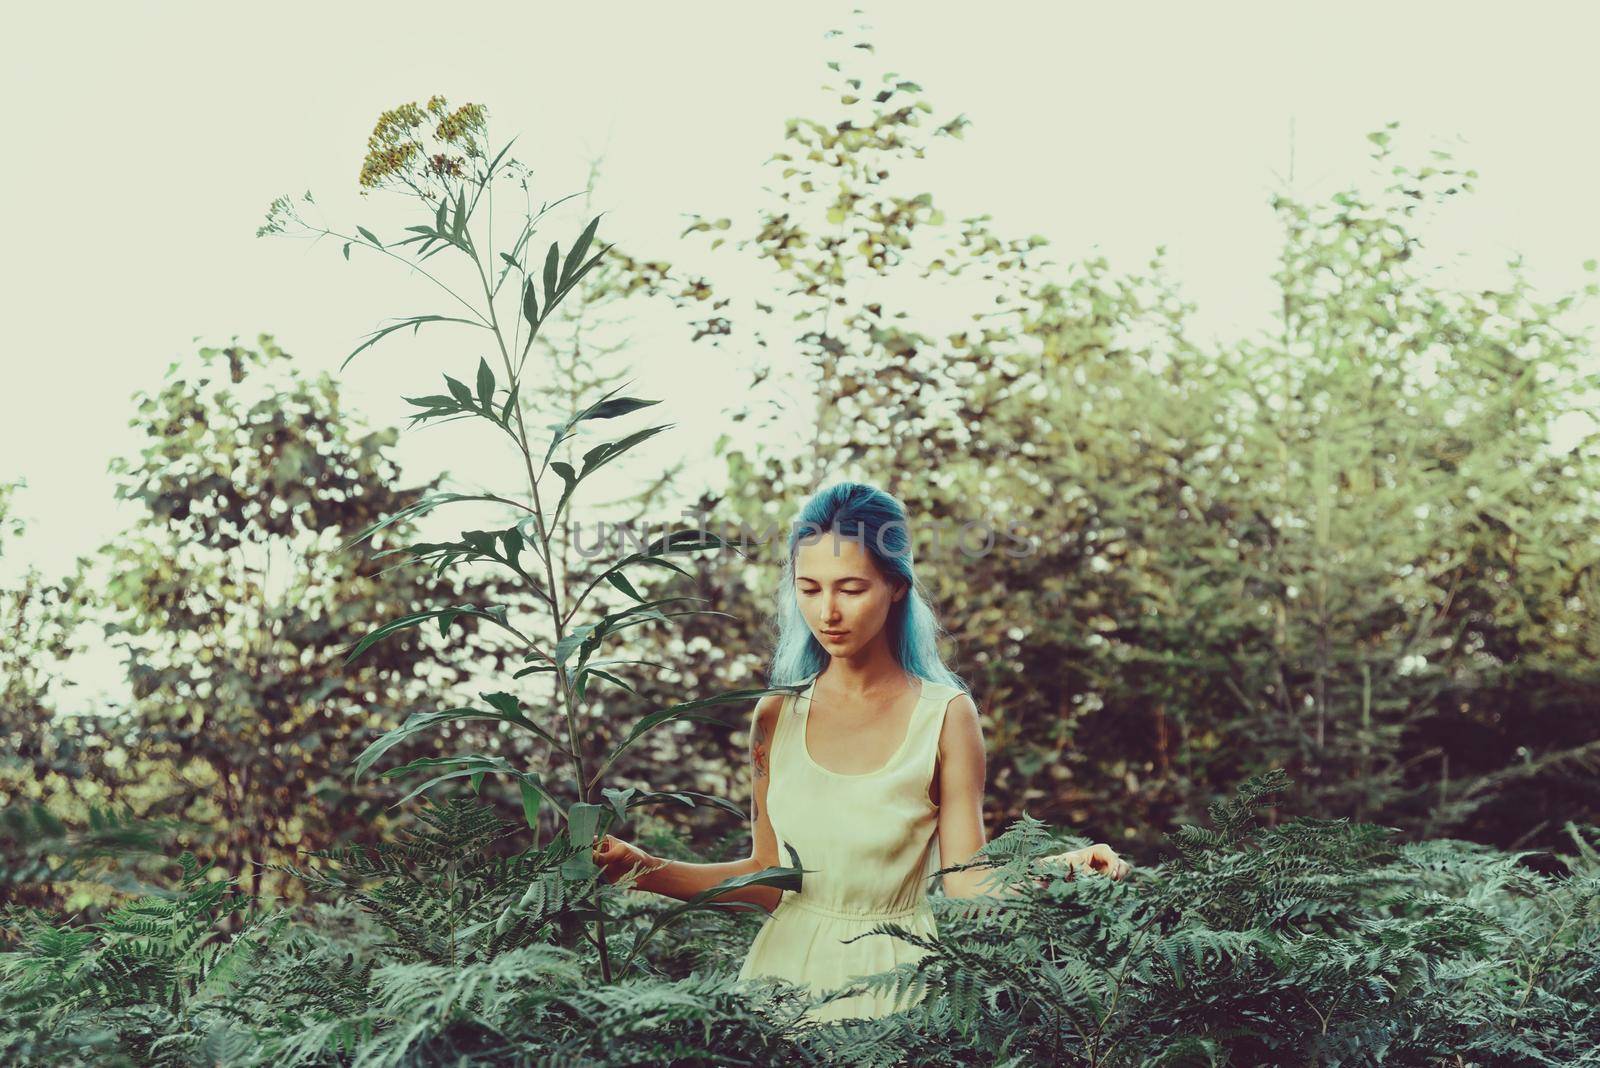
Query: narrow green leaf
{"type": "Point", "coordinates": [504, 703]}
{"type": "Point", "coordinates": [687, 710]}
{"type": "Point", "coordinates": [471, 761]}
{"type": "Point", "coordinates": [414, 724]}
{"type": "Point", "coordinates": [790, 878]}
{"type": "Point", "coordinates": [572, 641]}
{"type": "Point", "coordinates": [562, 429]}
{"type": "Point", "coordinates": [510, 405]}
{"type": "Point", "coordinates": [659, 562]}
{"type": "Point", "coordinates": [619, 406]}
{"type": "Point", "coordinates": [560, 435]}
{"type": "Point", "coordinates": [472, 766]}
{"type": "Point", "coordinates": [636, 558]}
{"type": "Point", "coordinates": [436, 780]}
{"type": "Point", "coordinates": [582, 822]}
{"type": "Point", "coordinates": [501, 155]}
{"type": "Point", "coordinates": [415, 322]}
{"type": "Point", "coordinates": [511, 709]}
{"type": "Point", "coordinates": [601, 455]}
{"type": "Point", "coordinates": [586, 638]}
{"type": "Point", "coordinates": [618, 800]}
{"type": "Point", "coordinates": [512, 542]}
{"type": "Point", "coordinates": [533, 670]}
{"type": "Point", "coordinates": [389, 628]}
{"type": "Point", "coordinates": [577, 276]}
{"type": "Point", "coordinates": [609, 678]}
{"type": "Point", "coordinates": [672, 712]}
{"type": "Point", "coordinates": [620, 582]}
{"type": "Point", "coordinates": [530, 804]}
{"type": "Point", "coordinates": [436, 400]}
{"type": "Point", "coordinates": [579, 249]}
{"type": "Point", "coordinates": [550, 261]}
{"type": "Point", "coordinates": [530, 304]}
{"type": "Point", "coordinates": [485, 383]}
{"type": "Point", "coordinates": [686, 541]}
{"type": "Point", "coordinates": [459, 225]}
{"type": "Point", "coordinates": [369, 235]}
{"type": "Point", "coordinates": [569, 481]}
{"type": "Point", "coordinates": [423, 506]}
{"type": "Point", "coordinates": [483, 542]}
{"type": "Point", "coordinates": [687, 799]}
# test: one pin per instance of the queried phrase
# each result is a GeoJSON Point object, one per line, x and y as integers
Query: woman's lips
{"type": "Point", "coordinates": [835, 634]}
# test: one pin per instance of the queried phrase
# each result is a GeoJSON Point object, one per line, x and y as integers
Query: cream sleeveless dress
{"type": "Point", "coordinates": [869, 843]}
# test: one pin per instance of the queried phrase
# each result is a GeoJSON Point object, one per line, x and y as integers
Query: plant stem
{"type": "Point", "coordinates": [1538, 965]}
{"type": "Point", "coordinates": [564, 688]}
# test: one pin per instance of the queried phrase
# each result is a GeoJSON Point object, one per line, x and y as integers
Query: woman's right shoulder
{"type": "Point", "coordinates": [766, 712]}
{"type": "Point", "coordinates": [768, 707]}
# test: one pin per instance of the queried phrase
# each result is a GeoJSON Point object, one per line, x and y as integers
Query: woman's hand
{"type": "Point", "coordinates": [1098, 857]}
{"type": "Point", "coordinates": [615, 858]}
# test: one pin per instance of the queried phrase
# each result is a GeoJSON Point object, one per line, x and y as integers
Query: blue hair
{"type": "Point", "coordinates": [877, 521]}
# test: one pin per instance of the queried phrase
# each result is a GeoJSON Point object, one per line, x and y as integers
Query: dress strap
{"type": "Point", "coordinates": [779, 746]}
{"type": "Point", "coordinates": [801, 702]}
{"type": "Point", "coordinates": [936, 699]}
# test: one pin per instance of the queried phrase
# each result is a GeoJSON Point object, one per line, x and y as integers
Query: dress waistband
{"type": "Point", "coordinates": [790, 900]}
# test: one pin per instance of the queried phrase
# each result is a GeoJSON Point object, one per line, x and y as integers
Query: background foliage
{"type": "Point", "coordinates": [1348, 548]}
{"type": "Point", "coordinates": [232, 608]}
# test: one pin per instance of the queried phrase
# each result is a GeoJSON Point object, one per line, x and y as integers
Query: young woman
{"type": "Point", "coordinates": [873, 773]}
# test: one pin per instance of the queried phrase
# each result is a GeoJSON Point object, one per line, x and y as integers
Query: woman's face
{"type": "Point", "coordinates": [839, 589]}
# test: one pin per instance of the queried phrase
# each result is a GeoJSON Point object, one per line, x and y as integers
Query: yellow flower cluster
{"type": "Point", "coordinates": [383, 161]}
{"type": "Point", "coordinates": [462, 123]}
{"type": "Point", "coordinates": [394, 144]}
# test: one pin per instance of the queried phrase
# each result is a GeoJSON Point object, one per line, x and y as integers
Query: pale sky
{"type": "Point", "coordinates": [148, 140]}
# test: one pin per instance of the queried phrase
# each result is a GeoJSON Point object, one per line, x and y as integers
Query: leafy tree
{"type": "Point", "coordinates": [37, 623]}
{"type": "Point", "coordinates": [1300, 550]}
{"type": "Point", "coordinates": [233, 607]}
{"type": "Point", "coordinates": [36, 629]}
{"type": "Point", "coordinates": [53, 767]}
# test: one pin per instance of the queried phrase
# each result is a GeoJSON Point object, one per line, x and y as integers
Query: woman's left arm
{"type": "Point", "coordinates": [961, 785]}
{"type": "Point", "coordinates": [962, 776]}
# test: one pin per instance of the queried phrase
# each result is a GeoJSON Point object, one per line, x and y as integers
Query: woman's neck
{"type": "Point", "coordinates": [872, 671]}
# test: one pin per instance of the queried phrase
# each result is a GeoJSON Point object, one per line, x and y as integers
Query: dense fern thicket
{"type": "Point", "coordinates": [1308, 942]}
